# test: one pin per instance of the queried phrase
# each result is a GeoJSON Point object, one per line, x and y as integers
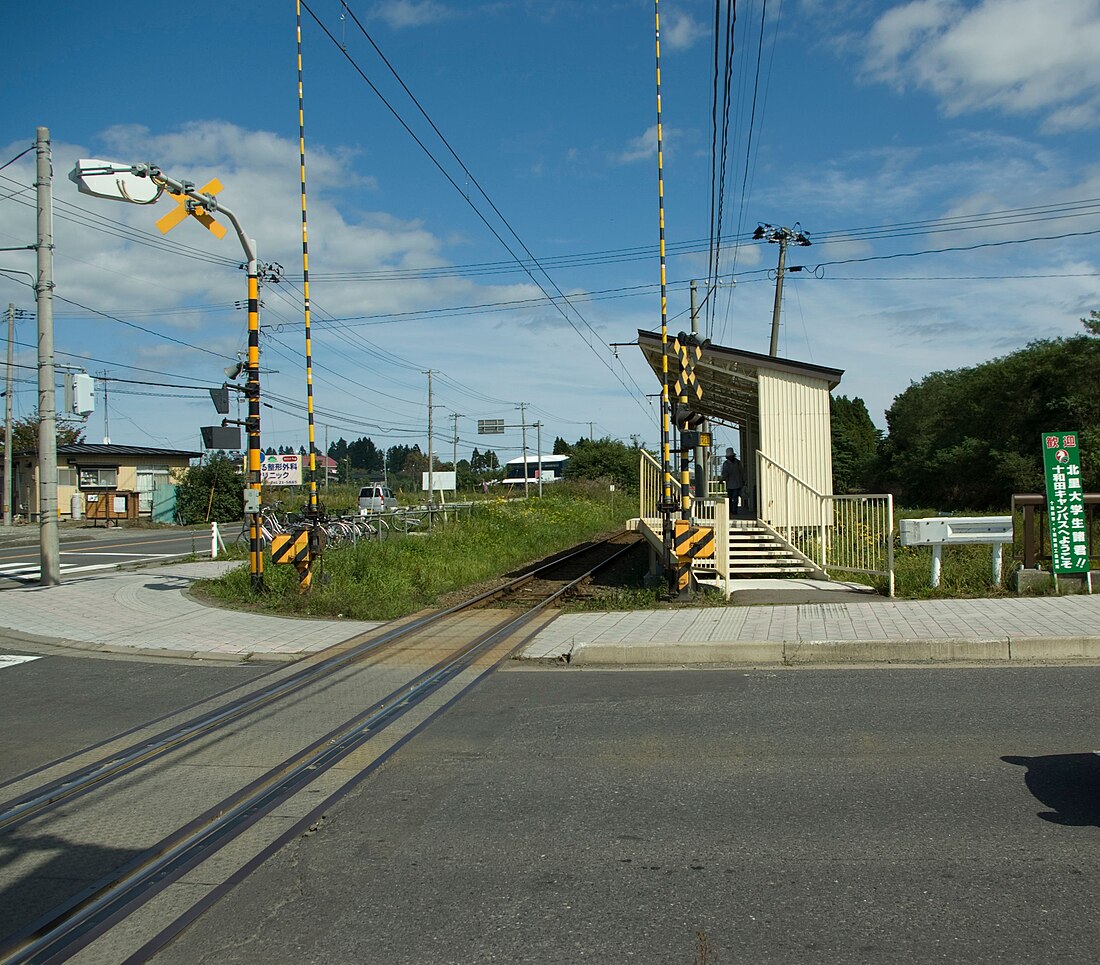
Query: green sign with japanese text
{"type": "Point", "coordinates": [1069, 547]}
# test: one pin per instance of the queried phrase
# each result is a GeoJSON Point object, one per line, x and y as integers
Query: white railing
{"type": "Point", "coordinates": [651, 486]}
{"type": "Point", "coordinates": [853, 534]}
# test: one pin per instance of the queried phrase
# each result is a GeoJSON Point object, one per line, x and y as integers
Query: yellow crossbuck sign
{"type": "Point", "coordinates": [194, 209]}
{"type": "Point", "coordinates": [688, 354]}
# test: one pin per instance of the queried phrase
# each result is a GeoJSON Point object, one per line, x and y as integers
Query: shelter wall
{"type": "Point", "coordinates": [796, 432]}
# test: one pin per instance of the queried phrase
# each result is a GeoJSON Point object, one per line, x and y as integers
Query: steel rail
{"type": "Point", "coordinates": [21, 809]}
{"type": "Point", "coordinates": [90, 913]}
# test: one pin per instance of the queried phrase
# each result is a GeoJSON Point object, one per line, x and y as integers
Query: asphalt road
{"type": "Point", "coordinates": [943, 815]}
{"type": "Point", "coordinates": [86, 550]}
{"type": "Point", "coordinates": [58, 703]}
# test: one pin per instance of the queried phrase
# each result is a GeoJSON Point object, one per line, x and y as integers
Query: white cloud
{"type": "Point", "coordinates": [644, 146]}
{"type": "Point", "coordinates": [680, 31]}
{"type": "Point", "coordinates": [411, 13]}
{"type": "Point", "coordinates": [1016, 56]}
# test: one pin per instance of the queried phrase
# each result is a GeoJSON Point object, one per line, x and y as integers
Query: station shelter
{"type": "Point", "coordinates": [777, 407]}
{"type": "Point", "coordinates": [778, 410]}
{"type": "Point", "coordinates": [104, 482]}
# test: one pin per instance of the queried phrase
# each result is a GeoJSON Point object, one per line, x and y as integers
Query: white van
{"type": "Point", "coordinates": [376, 499]}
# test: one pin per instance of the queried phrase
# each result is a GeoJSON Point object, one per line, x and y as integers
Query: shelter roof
{"type": "Point", "coordinates": [74, 450]}
{"type": "Point", "coordinates": [729, 376]}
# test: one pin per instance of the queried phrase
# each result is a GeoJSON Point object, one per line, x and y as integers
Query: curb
{"type": "Point", "coordinates": [798, 653]}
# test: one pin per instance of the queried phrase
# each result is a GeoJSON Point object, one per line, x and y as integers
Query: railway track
{"type": "Point", "coordinates": [154, 828]}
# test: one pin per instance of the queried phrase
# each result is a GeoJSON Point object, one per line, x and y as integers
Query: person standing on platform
{"type": "Point", "coordinates": [733, 475]}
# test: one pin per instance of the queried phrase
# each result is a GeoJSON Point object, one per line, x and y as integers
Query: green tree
{"type": "Point", "coordinates": [212, 491]}
{"type": "Point", "coordinates": [24, 434]}
{"type": "Point", "coordinates": [855, 445]}
{"type": "Point", "coordinates": [604, 459]}
{"type": "Point", "coordinates": [561, 447]}
{"type": "Point", "coordinates": [969, 438]}
{"type": "Point", "coordinates": [1092, 323]}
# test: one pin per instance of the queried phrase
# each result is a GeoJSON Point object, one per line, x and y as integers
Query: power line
{"type": "Point", "coordinates": [530, 256]}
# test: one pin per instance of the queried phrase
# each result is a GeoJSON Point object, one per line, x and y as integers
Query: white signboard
{"type": "Point", "coordinates": [281, 470]}
{"type": "Point", "coordinates": [441, 480]}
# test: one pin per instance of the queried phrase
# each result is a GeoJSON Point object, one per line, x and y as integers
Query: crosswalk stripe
{"type": "Point", "coordinates": [13, 660]}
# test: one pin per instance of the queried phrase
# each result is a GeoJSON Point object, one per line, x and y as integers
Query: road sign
{"type": "Point", "coordinates": [1069, 548]}
{"type": "Point", "coordinates": [490, 427]}
{"type": "Point", "coordinates": [285, 470]}
{"type": "Point", "coordinates": [186, 206]}
{"type": "Point", "coordinates": [441, 479]}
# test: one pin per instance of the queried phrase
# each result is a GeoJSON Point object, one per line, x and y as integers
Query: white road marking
{"type": "Point", "coordinates": [31, 573]}
{"type": "Point", "coordinates": [152, 556]}
{"type": "Point", "coordinates": [11, 660]}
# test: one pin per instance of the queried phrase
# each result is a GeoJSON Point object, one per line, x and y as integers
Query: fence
{"type": "Point", "coordinates": [1031, 531]}
{"type": "Point", "coordinates": [848, 533]}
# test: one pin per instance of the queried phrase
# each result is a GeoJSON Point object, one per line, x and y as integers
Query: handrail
{"type": "Point", "coordinates": [651, 486]}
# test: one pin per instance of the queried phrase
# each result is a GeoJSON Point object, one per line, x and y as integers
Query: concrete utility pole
{"type": "Point", "coordinates": [431, 478]}
{"type": "Point", "coordinates": [7, 419]}
{"type": "Point", "coordinates": [700, 451]}
{"type": "Point", "coordinates": [538, 443]}
{"type": "Point", "coordinates": [780, 236]}
{"type": "Point", "coordinates": [47, 412]}
{"type": "Point", "coordinates": [523, 425]}
{"type": "Point", "coordinates": [454, 463]}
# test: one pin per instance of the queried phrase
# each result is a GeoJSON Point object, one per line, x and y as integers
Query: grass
{"type": "Point", "coordinates": [394, 577]}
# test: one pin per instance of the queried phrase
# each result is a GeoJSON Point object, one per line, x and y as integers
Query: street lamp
{"type": "Point", "coordinates": [782, 237]}
{"type": "Point", "coordinates": [145, 183]}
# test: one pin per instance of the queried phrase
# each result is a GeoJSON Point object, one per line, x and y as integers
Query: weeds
{"type": "Point", "coordinates": [394, 577]}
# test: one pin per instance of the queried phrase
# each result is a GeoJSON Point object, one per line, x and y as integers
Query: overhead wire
{"type": "Point", "coordinates": [561, 297]}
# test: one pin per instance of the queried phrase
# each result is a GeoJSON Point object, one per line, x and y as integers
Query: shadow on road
{"type": "Point", "coordinates": [1068, 784]}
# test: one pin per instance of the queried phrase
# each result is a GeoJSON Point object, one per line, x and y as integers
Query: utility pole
{"type": "Point", "coordinates": [431, 478]}
{"type": "Point", "coordinates": [523, 424]}
{"type": "Point", "coordinates": [454, 463]}
{"type": "Point", "coordinates": [591, 431]}
{"type": "Point", "coordinates": [780, 236]}
{"type": "Point", "coordinates": [700, 452]}
{"type": "Point", "coordinates": [7, 419]}
{"type": "Point", "coordinates": [106, 412]}
{"type": "Point", "coordinates": [47, 411]}
{"type": "Point", "coordinates": [538, 443]}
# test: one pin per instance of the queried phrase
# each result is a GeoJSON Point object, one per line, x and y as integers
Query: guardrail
{"type": "Point", "coordinates": [941, 531]}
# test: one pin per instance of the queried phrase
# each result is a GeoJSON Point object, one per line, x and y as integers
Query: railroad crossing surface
{"type": "Point", "coordinates": [148, 611]}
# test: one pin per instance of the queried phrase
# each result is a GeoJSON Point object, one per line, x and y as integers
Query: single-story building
{"type": "Point", "coordinates": [103, 481]}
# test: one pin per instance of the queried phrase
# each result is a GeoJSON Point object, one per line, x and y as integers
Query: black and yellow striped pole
{"type": "Point", "coordinates": [666, 459]}
{"type": "Point", "coordinates": [252, 391]}
{"type": "Point", "coordinates": [305, 568]}
{"type": "Point", "coordinates": [305, 275]}
{"type": "Point", "coordinates": [202, 205]}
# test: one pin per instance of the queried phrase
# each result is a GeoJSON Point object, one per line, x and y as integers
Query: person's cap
{"type": "Point", "coordinates": [729, 452]}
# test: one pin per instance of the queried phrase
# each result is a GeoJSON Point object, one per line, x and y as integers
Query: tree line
{"type": "Point", "coordinates": [969, 438]}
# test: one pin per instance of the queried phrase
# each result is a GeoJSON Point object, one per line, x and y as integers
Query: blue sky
{"type": "Point", "coordinates": [868, 115]}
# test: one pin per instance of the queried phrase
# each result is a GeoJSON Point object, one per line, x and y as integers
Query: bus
{"type": "Point", "coordinates": [547, 468]}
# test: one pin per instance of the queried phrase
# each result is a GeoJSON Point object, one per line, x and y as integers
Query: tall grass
{"type": "Point", "coordinates": [394, 577]}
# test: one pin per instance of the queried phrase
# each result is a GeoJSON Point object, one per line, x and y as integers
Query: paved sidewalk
{"type": "Point", "coordinates": [881, 631]}
{"type": "Point", "coordinates": [147, 612]}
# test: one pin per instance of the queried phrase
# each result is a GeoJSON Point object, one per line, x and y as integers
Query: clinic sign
{"type": "Point", "coordinates": [1069, 547]}
{"type": "Point", "coordinates": [276, 470]}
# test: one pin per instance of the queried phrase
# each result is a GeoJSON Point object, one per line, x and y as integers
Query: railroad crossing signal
{"type": "Point", "coordinates": [688, 352]}
{"type": "Point", "coordinates": [187, 206]}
